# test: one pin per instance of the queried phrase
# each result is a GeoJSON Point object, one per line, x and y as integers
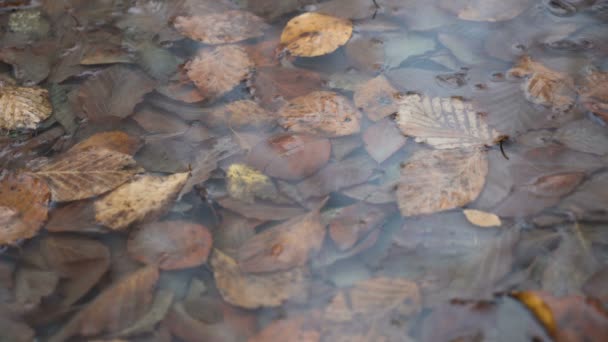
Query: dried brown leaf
{"type": "Point", "coordinates": [240, 114]}
{"type": "Point", "coordinates": [292, 329]}
{"type": "Point", "coordinates": [115, 141]}
{"type": "Point", "coordinates": [351, 223]}
{"type": "Point", "coordinates": [221, 28]}
{"type": "Point", "coordinates": [260, 211]}
{"type": "Point", "coordinates": [377, 98]}
{"type": "Point", "coordinates": [143, 199]}
{"type": "Point", "coordinates": [84, 173]}
{"type": "Point", "coordinates": [315, 34]}
{"type": "Point", "coordinates": [23, 207]}
{"type": "Point", "coordinates": [217, 71]}
{"type": "Point", "coordinates": [171, 244]}
{"type": "Point", "coordinates": [274, 86]}
{"type": "Point", "coordinates": [252, 290]}
{"type": "Point", "coordinates": [321, 112]}
{"type": "Point", "coordinates": [23, 107]}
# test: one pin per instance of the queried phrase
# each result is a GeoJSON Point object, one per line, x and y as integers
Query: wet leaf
{"type": "Point", "coordinates": [321, 112]}
{"type": "Point", "coordinates": [115, 309]}
{"type": "Point", "coordinates": [113, 93]}
{"type": "Point", "coordinates": [597, 285]}
{"type": "Point", "coordinates": [118, 141]}
{"type": "Point", "coordinates": [84, 173]}
{"type": "Point", "coordinates": [283, 247]}
{"type": "Point", "coordinates": [588, 198]}
{"type": "Point", "coordinates": [170, 244]}
{"type": "Point", "coordinates": [585, 136]}
{"type": "Point", "coordinates": [383, 139]}
{"type": "Point", "coordinates": [443, 123]}
{"type": "Point", "coordinates": [274, 86]}
{"type": "Point", "coordinates": [245, 184]}
{"type": "Point", "coordinates": [482, 218]}
{"type": "Point", "coordinates": [351, 223]}
{"type": "Point", "coordinates": [480, 10]}
{"type": "Point", "coordinates": [221, 28]}
{"type": "Point", "coordinates": [62, 111]}
{"type": "Point", "coordinates": [141, 200]}
{"type": "Point", "coordinates": [315, 34]}
{"type": "Point", "coordinates": [377, 98]}
{"type": "Point", "coordinates": [23, 107]}
{"type": "Point", "coordinates": [366, 53]}
{"type": "Point", "coordinates": [594, 93]}
{"type": "Point", "coordinates": [240, 114]}
{"type": "Point", "coordinates": [190, 329]}
{"type": "Point", "coordinates": [292, 329]}
{"type": "Point", "coordinates": [32, 285]}
{"type": "Point", "coordinates": [158, 310]}
{"type": "Point", "coordinates": [290, 156]}
{"type": "Point", "coordinates": [433, 181]}
{"type": "Point", "coordinates": [400, 47]}
{"type": "Point", "coordinates": [217, 71]}
{"type": "Point", "coordinates": [260, 211]}
{"type": "Point", "coordinates": [31, 64]}
{"type": "Point", "coordinates": [23, 207]}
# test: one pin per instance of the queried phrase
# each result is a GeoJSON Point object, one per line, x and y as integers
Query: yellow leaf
{"type": "Point", "coordinates": [481, 218]}
{"type": "Point", "coordinates": [315, 34]}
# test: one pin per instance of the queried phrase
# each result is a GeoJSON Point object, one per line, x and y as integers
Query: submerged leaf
{"type": "Point", "coordinates": [221, 28]}
{"type": "Point", "coordinates": [481, 218]}
{"type": "Point", "coordinates": [486, 10]}
{"type": "Point", "coordinates": [23, 107]}
{"type": "Point", "coordinates": [274, 86]}
{"type": "Point", "coordinates": [377, 98]}
{"type": "Point", "coordinates": [315, 34]}
{"type": "Point", "coordinates": [245, 184]}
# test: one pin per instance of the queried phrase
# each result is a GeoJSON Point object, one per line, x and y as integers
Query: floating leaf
{"type": "Point", "coordinates": [23, 207]}
{"type": "Point", "coordinates": [115, 309]}
{"type": "Point", "coordinates": [321, 112]}
{"type": "Point", "coordinates": [315, 34]}
{"type": "Point", "coordinates": [170, 244]}
{"type": "Point", "coordinates": [23, 107]}
{"type": "Point", "coordinates": [482, 218]}
{"type": "Point", "coordinates": [84, 173]}
{"type": "Point", "coordinates": [113, 93]}
{"type": "Point", "coordinates": [140, 200]}
{"type": "Point", "coordinates": [274, 86]}
{"type": "Point", "coordinates": [221, 28]}
{"type": "Point", "coordinates": [217, 71]}
{"type": "Point", "coordinates": [377, 98]}
{"type": "Point", "coordinates": [290, 156]}
{"type": "Point", "coordinates": [433, 181]}
{"type": "Point", "coordinates": [283, 247]}
{"type": "Point", "coordinates": [252, 290]}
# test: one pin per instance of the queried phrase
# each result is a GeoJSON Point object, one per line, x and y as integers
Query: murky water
{"type": "Point", "coordinates": [384, 170]}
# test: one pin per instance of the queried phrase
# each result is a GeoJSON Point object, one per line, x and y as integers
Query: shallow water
{"type": "Point", "coordinates": [394, 170]}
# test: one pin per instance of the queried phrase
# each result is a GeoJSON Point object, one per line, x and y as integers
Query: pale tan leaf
{"type": "Point", "coordinates": [321, 112]}
{"type": "Point", "coordinates": [381, 294]}
{"type": "Point", "coordinates": [23, 207]}
{"type": "Point", "coordinates": [482, 218]}
{"type": "Point", "coordinates": [443, 123]}
{"type": "Point", "coordinates": [142, 199]}
{"type": "Point", "coordinates": [84, 173]}
{"type": "Point", "coordinates": [315, 34]}
{"type": "Point", "coordinates": [221, 28]}
{"type": "Point", "coordinates": [218, 70]}
{"type": "Point", "coordinates": [282, 247]}
{"type": "Point", "coordinates": [377, 98]}
{"type": "Point", "coordinates": [252, 290]}
{"type": "Point", "coordinates": [23, 107]}
{"type": "Point", "coordinates": [239, 114]}
{"type": "Point", "coordinates": [433, 181]}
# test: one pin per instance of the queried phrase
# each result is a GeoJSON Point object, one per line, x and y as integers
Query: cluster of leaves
{"type": "Point", "coordinates": [171, 166]}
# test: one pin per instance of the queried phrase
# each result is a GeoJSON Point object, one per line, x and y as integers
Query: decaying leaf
{"type": "Point", "coordinates": [240, 114]}
{"type": "Point", "coordinates": [365, 53]}
{"type": "Point", "coordinates": [321, 112]}
{"type": "Point", "coordinates": [158, 310]}
{"type": "Point", "coordinates": [115, 140]}
{"type": "Point", "coordinates": [274, 86]}
{"type": "Point", "coordinates": [23, 207]}
{"type": "Point", "coordinates": [383, 139]}
{"type": "Point", "coordinates": [283, 247]}
{"type": "Point", "coordinates": [443, 123]}
{"type": "Point", "coordinates": [221, 28]}
{"type": "Point", "coordinates": [484, 10]}
{"type": "Point", "coordinates": [32, 285]}
{"type": "Point", "coordinates": [113, 93]}
{"type": "Point", "coordinates": [84, 173]}
{"type": "Point", "coordinates": [115, 309]}
{"type": "Point", "coordinates": [218, 70]}
{"type": "Point", "coordinates": [315, 34]}
{"type": "Point", "coordinates": [142, 199]}
{"type": "Point", "coordinates": [351, 223]}
{"type": "Point", "coordinates": [170, 244]}
{"type": "Point", "coordinates": [377, 98]}
{"type": "Point", "coordinates": [482, 218]}
{"type": "Point", "coordinates": [23, 107]}
{"type": "Point", "coordinates": [290, 156]}
{"type": "Point", "coordinates": [292, 329]}
{"type": "Point", "coordinates": [585, 136]}
{"type": "Point", "coordinates": [257, 290]}
{"type": "Point", "coordinates": [594, 93]}
{"type": "Point", "coordinates": [544, 86]}
{"type": "Point", "coordinates": [440, 180]}
{"type": "Point", "coordinates": [260, 211]}
{"type": "Point", "coordinates": [245, 184]}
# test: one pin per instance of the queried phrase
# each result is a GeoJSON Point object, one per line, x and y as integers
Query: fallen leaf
{"type": "Point", "coordinates": [170, 244]}
{"type": "Point", "coordinates": [443, 123]}
{"type": "Point", "coordinates": [260, 211]}
{"type": "Point", "coordinates": [292, 329]}
{"type": "Point", "coordinates": [596, 285]}
{"type": "Point", "coordinates": [78, 216]}
{"type": "Point", "coordinates": [283, 247]}
{"type": "Point", "coordinates": [23, 107]}
{"type": "Point", "coordinates": [480, 10]}
{"type": "Point", "coordinates": [320, 112]}
{"type": "Point", "coordinates": [315, 34]}
{"type": "Point", "coordinates": [158, 310]}
{"type": "Point", "coordinates": [383, 139]}
{"type": "Point", "coordinates": [290, 156]}
{"type": "Point", "coordinates": [84, 173]}
{"type": "Point", "coordinates": [113, 93]}
{"type": "Point", "coordinates": [377, 98]}
{"type": "Point", "coordinates": [245, 184]}
{"type": "Point", "coordinates": [252, 291]}
{"type": "Point", "coordinates": [583, 135]}
{"type": "Point", "coordinates": [218, 70]}
{"type": "Point", "coordinates": [433, 181]}
{"type": "Point", "coordinates": [62, 110]}
{"type": "Point", "coordinates": [594, 93]}
{"type": "Point", "coordinates": [274, 86]}
{"type": "Point", "coordinates": [15, 330]}
{"type": "Point", "coordinates": [115, 141]}
{"type": "Point", "coordinates": [240, 114]}
{"type": "Point", "coordinates": [115, 309]}
{"type": "Point", "coordinates": [31, 64]}
{"type": "Point", "coordinates": [221, 28]}
{"type": "Point", "coordinates": [32, 285]}
{"type": "Point", "coordinates": [482, 218]}
{"type": "Point", "coordinates": [190, 329]}
{"type": "Point", "coordinates": [141, 200]}
{"type": "Point", "coordinates": [351, 223]}
{"type": "Point", "coordinates": [342, 147]}
{"type": "Point", "coordinates": [349, 9]}
{"type": "Point", "coordinates": [156, 61]}
{"type": "Point", "coordinates": [23, 207]}
{"type": "Point", "coordinates": [400, 47]}
{"type": "Point", "coordinates": [365, 53]}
